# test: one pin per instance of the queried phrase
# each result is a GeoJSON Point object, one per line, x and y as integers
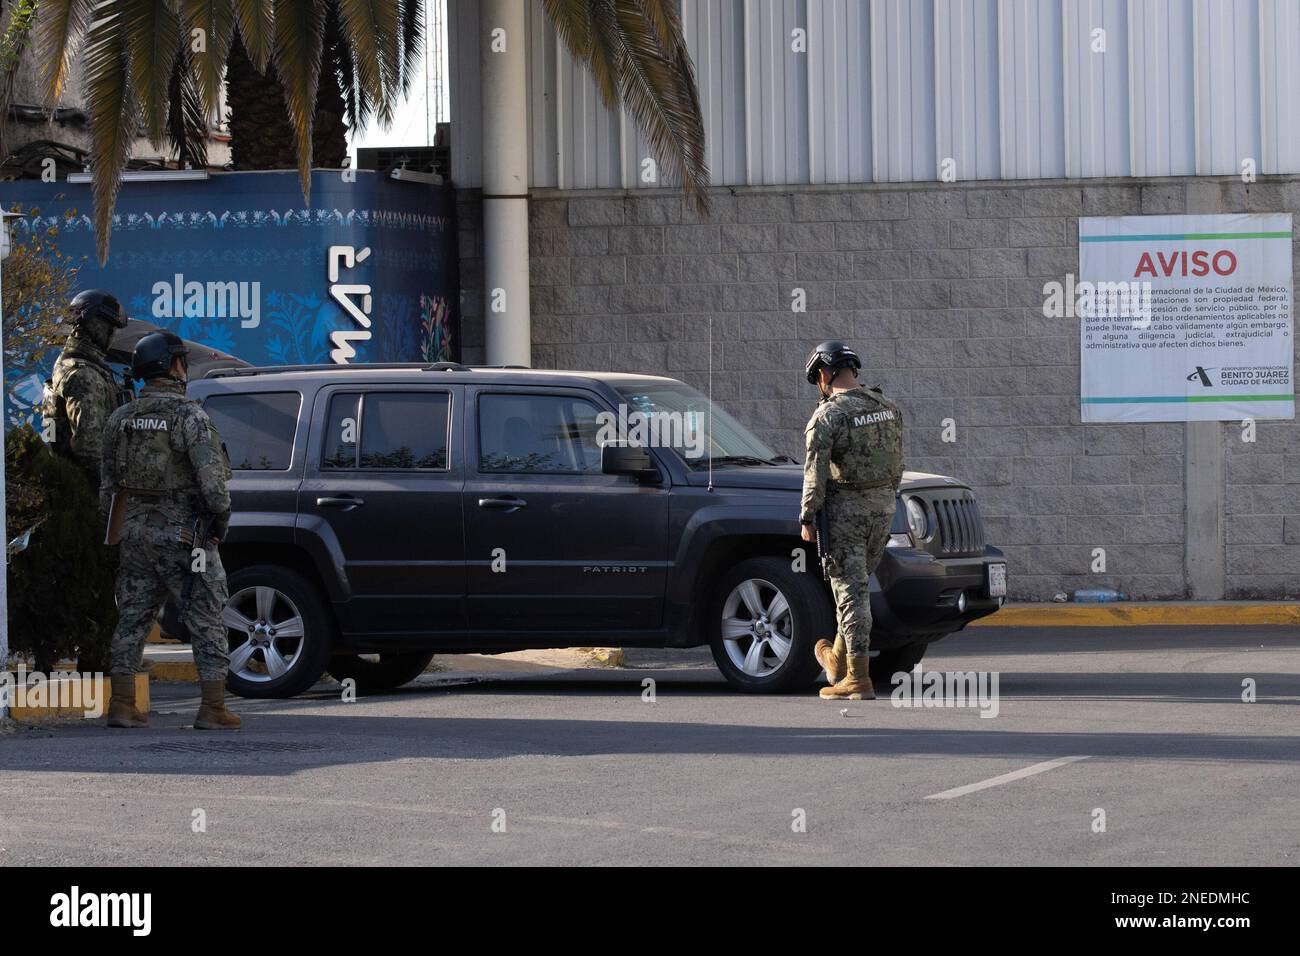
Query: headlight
{"type": "Point", "coordinates": [918, 522]}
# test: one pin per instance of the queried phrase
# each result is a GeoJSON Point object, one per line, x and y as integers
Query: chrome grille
{"type": "Point", "coordinates": [960, 529]}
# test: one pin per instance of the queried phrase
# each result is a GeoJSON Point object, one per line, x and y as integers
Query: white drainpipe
{"type": "Point", "coordinates": [505, 183]}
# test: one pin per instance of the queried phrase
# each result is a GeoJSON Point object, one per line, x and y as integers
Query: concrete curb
{"type": "Point", "coordinates": [1140, 614]}
{"type": "Point", "coordinates": [64, 698]}
{"type": "Point", "coordinates": [174, 672]}
{"type": "Point", "coordinates": [174, 664]}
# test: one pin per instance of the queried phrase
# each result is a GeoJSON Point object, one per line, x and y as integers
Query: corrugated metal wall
{"type": "Point", "coordinates": [830, 91]}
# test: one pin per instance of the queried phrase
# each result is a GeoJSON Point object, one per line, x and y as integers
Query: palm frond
{"type": "Point", "coordinates": [153, 34]}
{"type": "Point", "coordinates": [373, 30]}
{"type": "Point", "coordinates": [299, 41]}
{"type": "Point", "coordinates": [114, 114]}
{"type": "Point", "coordinates": [573, 23]}
{"type": "Point", "coordinates": [216, 18]}
{"type": "Point", "coordinates": [411, 18]}
{"type": "Point", "coordinates": [358, 100]}
{"type": "Point", "coordinates": [256, 19]}
{"type": "Point", "coordinates": [187, 117]}
{"type": "Point", "coordinates": [61, 23]}
{"type": "Point", "coordinates": [637, 54]}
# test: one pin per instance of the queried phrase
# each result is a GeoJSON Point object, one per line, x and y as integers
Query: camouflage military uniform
{"type": "Point", "coordinates": [82, 394]}
{"type": "Point", "coordinates": [163, 451]}
{"type": "Point", "coordinates": [855, 460]}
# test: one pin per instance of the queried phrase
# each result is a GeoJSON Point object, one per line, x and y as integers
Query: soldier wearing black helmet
{"type": "Point", "coordinates": [82, 392]}
{"type": "Point", "coordinates": [853, 466]}
{"type": "Point", "coordinates": [163, 456]}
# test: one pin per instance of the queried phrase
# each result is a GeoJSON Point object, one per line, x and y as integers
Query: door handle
{"type": "Point", "coordinates": [502, 504]}
{"type": "Point", "coordinates": [347, 502]}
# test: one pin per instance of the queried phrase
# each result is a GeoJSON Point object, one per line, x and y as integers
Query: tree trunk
{"type": "Point", "coordinates": [261, 136]}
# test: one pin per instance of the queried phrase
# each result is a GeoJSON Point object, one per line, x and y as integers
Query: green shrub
{"type": "Point", "coordinates": [61, 585]}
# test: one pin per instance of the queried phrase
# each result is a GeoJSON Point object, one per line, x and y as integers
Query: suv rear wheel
{"type": "Point", "coordinates": [765, 618]}
{"type": "Point", "coordinates": [279, 632]}
{"type": "Point", "coordinates": [377, 672]}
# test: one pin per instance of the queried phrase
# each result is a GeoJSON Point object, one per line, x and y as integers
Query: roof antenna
{"type": "Point", "coordinates": [708, 440]}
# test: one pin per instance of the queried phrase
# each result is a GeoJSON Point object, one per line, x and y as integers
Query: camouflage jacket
{"type": "Point", "coordinates": [165, 452]}
{"type": "Point", "coordinates": [81, 396]}
{"type": "Point", "coordinates": [853, 440]}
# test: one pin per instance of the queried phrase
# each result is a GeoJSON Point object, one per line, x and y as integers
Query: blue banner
{"type": "Point", "coordinates": [368, 273]}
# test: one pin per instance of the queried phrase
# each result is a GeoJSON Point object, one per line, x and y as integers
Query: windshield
{"type": "Point", "coordinates": [676, 416]}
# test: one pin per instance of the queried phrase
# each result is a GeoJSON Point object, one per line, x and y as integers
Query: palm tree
{"type": "Point", "coordinates": [132, 51]}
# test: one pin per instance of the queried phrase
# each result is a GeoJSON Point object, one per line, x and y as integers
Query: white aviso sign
{"type": "Point", "coordinates": [1213, 338]}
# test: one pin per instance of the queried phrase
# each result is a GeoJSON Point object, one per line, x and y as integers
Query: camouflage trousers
{"type": "Point", "coordinates": [149, 573]}
{"type": "Point", "coordinates": [859, 525]}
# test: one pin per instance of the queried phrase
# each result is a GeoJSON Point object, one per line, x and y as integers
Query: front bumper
{"type": "Point", "coordinates": [917, 596]}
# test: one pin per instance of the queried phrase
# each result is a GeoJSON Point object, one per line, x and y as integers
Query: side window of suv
{"type": "Point", "coordinates": [387, 430]}
{"type": "Point", "coordinates": [257, 428]}
{"type": "Point", "coordinates": [537, 434]}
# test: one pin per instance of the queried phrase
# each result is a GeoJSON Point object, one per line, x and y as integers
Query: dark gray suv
{"type": "Point", "coordinates": [386, 513]}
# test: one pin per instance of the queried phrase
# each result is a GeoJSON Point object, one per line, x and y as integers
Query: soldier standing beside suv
{"type": "Point", "coordinates": [162, 452]}
{"type": "Point", "coordinates": [854, 463]}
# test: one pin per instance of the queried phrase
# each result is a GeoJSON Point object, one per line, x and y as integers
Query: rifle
{"type": "Point", "coordinates": [196, 536]}
{"type": "Point", "coordinates": [823, 533]}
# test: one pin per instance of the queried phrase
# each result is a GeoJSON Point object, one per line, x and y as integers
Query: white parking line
{"type": "Point", "coordinates": [1005, 778]}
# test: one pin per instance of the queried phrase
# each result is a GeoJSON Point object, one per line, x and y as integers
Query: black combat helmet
{"type": "Point", "coordinates": [154, 352]}
{"type": "Point", "coordinates": [97, 304]}
{"type": "Point", "coordinates": [832, 355]}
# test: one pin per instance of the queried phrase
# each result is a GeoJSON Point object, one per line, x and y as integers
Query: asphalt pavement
{"type": "Point", "coordinates": [1119, 746]}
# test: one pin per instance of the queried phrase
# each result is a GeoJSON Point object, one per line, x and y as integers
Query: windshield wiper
{"type": "Point", "coordinates": [733, 460]}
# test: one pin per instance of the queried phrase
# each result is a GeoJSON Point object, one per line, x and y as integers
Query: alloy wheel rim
{"type": "Point", "coordinates": [265, 632]}
{"type": "Point", "coordinates": [757, 627]}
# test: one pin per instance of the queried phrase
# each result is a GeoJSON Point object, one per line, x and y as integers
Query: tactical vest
{"type": "Point", "coordinates": [54, 408]}
{"type": "Point", "coordinates": [868, 450]}
{"type": "Point", "coordinates": [150, 458]}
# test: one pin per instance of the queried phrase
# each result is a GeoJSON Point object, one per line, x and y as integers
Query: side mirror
{"type": "Point", "coordinates": [627, 460]}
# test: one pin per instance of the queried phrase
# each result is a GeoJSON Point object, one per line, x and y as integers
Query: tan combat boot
{"type": "Point", "coordinates": [831, 658]}
{"type": "Point", "coordinates": [855, 686]}
{"type": "Point", "coordinates": [212, 712]}
{"type": "Point", "coordinates": [121, 704]}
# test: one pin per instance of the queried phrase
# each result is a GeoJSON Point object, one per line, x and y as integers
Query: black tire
{"type": "Point", "coordinates": [387, 673]}
{"type": "Point", "coordinates": [891, 660]}
{"type": "Point", "coordinates": [308, 664]}
{"type": "Point", "coordinates": [811, 618]}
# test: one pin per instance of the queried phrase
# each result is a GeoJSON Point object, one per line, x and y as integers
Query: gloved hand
{"type": "Point", "coordinates": [220, 525]}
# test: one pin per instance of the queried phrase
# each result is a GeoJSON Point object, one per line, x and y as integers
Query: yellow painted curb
{"type": "Point", "coordinates": [608, 656]}
{"type": "Point", "coordinates": [173, 671]}
{"type": "Point", "coordinates": [66, 697]}
{"type": "Point", "coordinates": [1136, 614]}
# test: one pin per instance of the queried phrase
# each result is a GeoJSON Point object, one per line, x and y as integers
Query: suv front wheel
{"type": "Point", "coordinates": [764, 621]}
{"type": "Point", "coordinates": [279, 632]}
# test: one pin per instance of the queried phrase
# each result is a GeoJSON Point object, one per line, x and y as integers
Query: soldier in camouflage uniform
{"type": "Point", "coordinates": [854, 463]}
{"type": "Point", "coordinates": [163, 452]}
{"type": "Point", "coordinates": [82, 392]}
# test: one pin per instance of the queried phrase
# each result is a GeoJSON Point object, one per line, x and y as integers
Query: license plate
{"type": "Point", "coordinates": [997, 580]}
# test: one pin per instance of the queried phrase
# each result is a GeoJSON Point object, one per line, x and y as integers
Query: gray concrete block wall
{"type": "Point", "coordinates": [940, 288]}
